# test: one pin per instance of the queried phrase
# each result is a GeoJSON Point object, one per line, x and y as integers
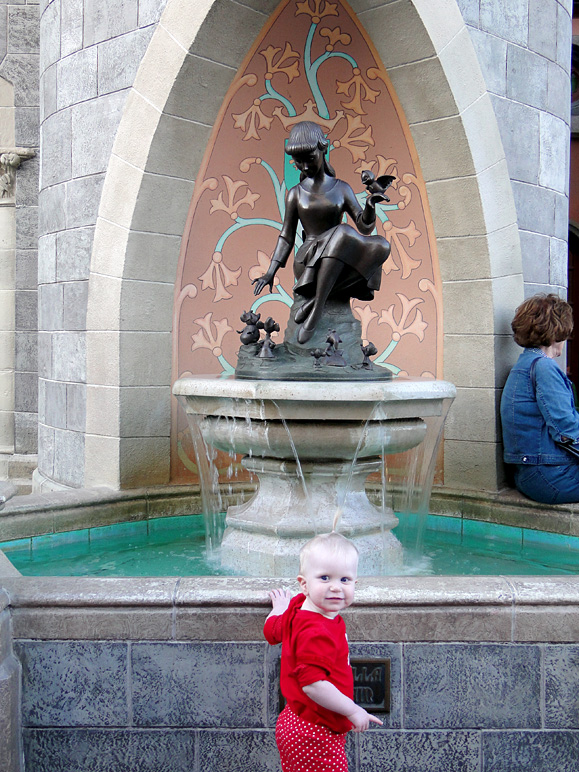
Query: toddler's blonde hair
{"type": "Point", "coordinates": [334, 542]}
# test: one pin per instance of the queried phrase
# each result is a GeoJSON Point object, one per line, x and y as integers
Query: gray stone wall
{"type": "Point", "coordinates": [19, 54]}
{"type": "Point", "coordinates": [10, 676]}
{"type": "Point", "coordinates": [90, 53]}
{"type": "Point", "coordinates": [524, 49]}
{"type": "Point", "coordinates": [475, 707]}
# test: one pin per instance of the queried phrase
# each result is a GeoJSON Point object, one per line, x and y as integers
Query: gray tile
{"type": "Point", "coordinates": [27, 227]}
{"type": "Point", "coordinates": [76, 78]}
{"type": "Point", "coordinates": [54, 398]}
{"type": "Point", "coordinates": [26, 305]}
{"type": "Point", "coordinates": [25, 432]}
{"type": "Point", "coordinates": [562, 687]}
{"type": "Point", "coordinates": [50, 303]}
{"type": "Point", "coordinates": [73, 683]}
{"type": "Point", "coordinates": [52, 209]}
{"type": "Point", "coordinates": [45, 355]}
{"type": "Point", "coordinates": [82, 200]}
{"type": "Point", "coordinates": [22, 70]}
{"type": "Point", "coordinates": [75, 305]}
{"type": "Point", "coordinates": [69, 458]}
{"type": "Point", "coordinates": [26, 276]}
{"type": "Point", "coordinates": [235, 25]}
{"type": "Point", "coordinates": [543, 27]}
{"type": "Point", "coordinates": [150, 11]}
{"type": "Point", "coordinates": [492, 56]}
{"type": "Point", "coordinates": [116, 750]}
{"type": "Point", "coordinates": [50, 35]}
{"type": "Point", "coordinates": [559, 92]}
{"type": "Point", "coordinates": [564, 39]}
{"type": "Point", "coordinates": [74, 251]}
{"type": "Point", "coordinates": [69, 356]}
{"type": "Point", "coordinates": [238, 750]}
{"type": "Point", "coordinates": [27, 177]}
{"type": "Point", "coordinates": [535, 208]}
{"type": "Point", "coordinates": [527, 77]}
{"type": "Point", "coordinates": [472, 685]}
{"type": "Point", "coordinates": [119, 60]}
{"type": "Point", "coordinates": [526, 751]}
{"type": "Point", "coordinates": [27, 126]}
{"type": "Point", "coordinates": [94, 126]}
{"type": "Point", "coordinates": [72, 21]}
{"type": "Point", "coordinates": [26, 351]}
{"type": "Point", "coordinates": [55, 165]}
{"type": "Point", "coordinates": [510, 21]}
{"type": "Point", "coordinates": [190, 684]}
{"type": "Point", "coordinates": [26, 392]}
{"type": "Point", "coordinates": [76, 406]}
{"type": "Point", "coordinates": [47, 258]}
{"type": "Point", "coordinates": [23, 26]}
{"type": "Point", "coordinates": [48, 94]}
{"type": "Point", "coordinates": [394, 751]}
{"type": "Point", "coordinates": [535, 249]}
{"type": "Point", "coordinates": [470, 11]}
{"type": "Point", "coordinates": [107, 19]}
{"type": "Point", "coordinates": [520, 132]}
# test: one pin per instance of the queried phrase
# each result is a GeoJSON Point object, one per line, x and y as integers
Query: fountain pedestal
{"type": "Point", "coordinates": [312, 447]}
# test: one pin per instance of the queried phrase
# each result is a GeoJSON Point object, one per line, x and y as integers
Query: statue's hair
{"type": "Point", "coordinates": [542, 320]}
{"type": "Point", "coordinates": [305, 137]}
{"type": "Point", "coordinates": [332, 542]}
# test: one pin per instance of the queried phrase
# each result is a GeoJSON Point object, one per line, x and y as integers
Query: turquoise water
{"type": "Point", "coordinates": [176, 547]}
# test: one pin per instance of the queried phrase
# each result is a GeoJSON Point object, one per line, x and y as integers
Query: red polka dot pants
{"type": "Point", "coordinates": [306, 747]}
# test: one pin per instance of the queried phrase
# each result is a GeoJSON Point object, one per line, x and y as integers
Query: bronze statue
{"type": "Point", "coordinates": [335, 261]}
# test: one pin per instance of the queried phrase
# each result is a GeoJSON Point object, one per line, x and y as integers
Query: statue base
{"type": "Point", "coordinates": [293, 361]}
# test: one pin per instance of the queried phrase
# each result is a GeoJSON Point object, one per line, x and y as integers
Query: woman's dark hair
{"type": "Point", "coordinates": [305, 137]}
{"type": "Point", "coordinates": [542, 320]}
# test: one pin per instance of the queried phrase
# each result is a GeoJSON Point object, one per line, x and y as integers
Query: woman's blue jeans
{"type": "Point", "coordinates": [558, 484]}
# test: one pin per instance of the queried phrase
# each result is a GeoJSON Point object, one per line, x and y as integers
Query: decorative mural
{"type": "Point", "coordinates": [312, 61]}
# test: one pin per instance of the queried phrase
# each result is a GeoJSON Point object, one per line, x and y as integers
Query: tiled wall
{"type": "Point", "coordinates": [203, 707]}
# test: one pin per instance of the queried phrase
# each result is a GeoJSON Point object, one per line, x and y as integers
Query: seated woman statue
{"type": "Point", "coordinates": [334, 261]}
{"type": "Point", "coordinates": [538, 408]}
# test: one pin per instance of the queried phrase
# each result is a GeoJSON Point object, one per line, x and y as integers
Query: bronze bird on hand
{"type": "Point", "coordinates": [377, 186]}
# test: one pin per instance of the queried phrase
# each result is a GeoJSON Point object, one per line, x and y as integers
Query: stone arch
{"type": "Point", "coordinates": [429, 56]}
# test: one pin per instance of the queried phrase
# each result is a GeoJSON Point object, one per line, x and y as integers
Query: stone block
{"type": "Point", "coordinates": [144, 461]}
{"type": "Point", "coordinates": [28, 174]}
{"type": "Point", "coordinates": [73, 683]}
{"type": "Point", "coordinates": [74, 251]}
{"type": "Point", "coordinates": [459, 297]}
{"type": "Point", "coordinates": [52, 209]}
{"type": "Point", "coordinates": [168, 157]}
{"type": "Point", "coordinates": [189, 684]}
{"type": "Point", "coordinates": [103, 358]}
{"type": "Point", "coordinates": [461, 351]}
{"type": "Point", "coordinates": [47, 258]}
{"type": "Point", "coordinates": [69, 356]}
{"type": "Point", "coordinates": [51, 306]}
{"type": "Point", "coordinates": [543, 28]}
{"type": "Point", "coordinates": [77, 78]}
{"type": "Point", "coordinates": [443, 148]}
{"type": "Point", "coordinates": [199, 90]}
{"type": "Point", "coordinates": [423, 91]}
{"type": "Point", "coordinates": [94, 125]}
{"type": "Point", "coordinates": [10, 748]}
{"type": "Point", "coordinates": [108, 19]}
{"type": "Point", "coordinates": [6, 390]}
{"type": "Point", "coordinates": [102, 410]}
{"type": "Point", "coordinates": [27, 128]}
{"type": "Point", "coordinates": [564, 38]}
{"type": "Point", "coordinates": [399, 33]}
{"type": "Point", "coordinates": [25, 433]}
{"type": "Point", "coordinates": [169, 219]}
{"type": "Point", "coordinates": [145, 412]}
{"type": "Point", "coordinates": [152, 257]}
{"type": "Point", "coordinates": [26, 392]}
{"type": "Point", "coordinates": [27, 227]}
{"type": "Point", "coordinates": [69, 457]}
{"type": "Point", "coordinates": [82, 200]}
{"type": "Point", "coordinates": [71, 14]}
{"type": "Point", "coordinates": [121, 750]}
{"type": "Point", "coordinates": [25, 310]}
{"type": "Point", "coordinates": [147, 306]}
{"type": "Point", "coordinates": [48, 92]}
{"type": "Point", "coordinates": [102, 461]}
{"type": "Point", "coordinates": [238, 749]}
{"type": "Point", "coordinates": [535, 208]}
{"type": "Point", "coordinates": [76, 407]}
{"type": "Point", "coordinates": [474, 415]}
{"type": "Point", "coordinates": [46, 445]}
{"type": "Point", "coordinates": [432, 751]}
{"type": "Point", "coordinates": [510, 22]}
{"type": "Point", "coordinates": [120, 191]}
{"type": "Point", "coordinates": [526, 77]}
{"type": "Point", "coordinates": [492, 686]}
{"type": "Point", "coordinates": [470, 11]}
{"type": "Point", "coordinates": [472, 465]}
{"type": "Point", "coordinates": [559, 92]}
{"type": "Point", "coordinates": [150, 11]}
{"type": "Point", "coordinates": [104, 303]}
{"type": "Point", "coordinates": [539, 751]}
{"type": "Point", "coordinates": [45, 355]}
{"type": "Point", "coordinates": [558, 262]}
{"type": "Point", "coordinates": [7, 350]}
{"type": "Point", "coordinates": [554, 153]}
{"type": "Point", "coordinates": [535, 249]}
{"type": "Point", "coordinates": [456, 207]}
{"type": "Point", "coordinates": [26, 277]}
{"type": "Point", "coordinates": [119, 60]}
{"type": "Point", "coordinates": [393, 652]}
{"type": "Point", "coordinates": [462, 70]}
{"type": "Point", "coordinates": [145, 358]}
{"type": "Point", "coordinates": [50, 35]}
{"type": "Point", "coordinates": [23, 30]}
{"type": "Point", "coordinates": [75, 300]}
{"type": "Point", "coordinates": [561, 216]}
{"type": "Point", "coordinates": [519, 130]}
{"type": "Point", "coordinates": [55, 404]}
{"type": "Point", "coordinates": [7, 298]}
{"type": "Point", "coordinates": [235, 26]}
{"type": "Point", "coordinates": [22, 70]}
{"type": "Point", "coordinates": [561, 684]}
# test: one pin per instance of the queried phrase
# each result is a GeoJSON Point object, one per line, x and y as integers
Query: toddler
{"type": "Point", "coordinates": [316, 677]}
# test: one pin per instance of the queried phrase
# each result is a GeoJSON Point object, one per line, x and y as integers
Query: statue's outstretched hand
{"type": "Point", "coordinates": [261, 282]}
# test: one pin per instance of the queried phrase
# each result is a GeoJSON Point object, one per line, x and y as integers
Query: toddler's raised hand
{"type": "Point", "coordinates": [280, 600]}
{"type": "Point", "coordinates": [361, 719]}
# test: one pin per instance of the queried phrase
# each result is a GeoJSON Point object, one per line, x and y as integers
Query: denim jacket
{"type": "Point", "coordinates": [532, 418]}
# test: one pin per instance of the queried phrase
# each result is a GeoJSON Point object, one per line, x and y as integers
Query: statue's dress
{"type": "Point", "coordinates": [361, 255]}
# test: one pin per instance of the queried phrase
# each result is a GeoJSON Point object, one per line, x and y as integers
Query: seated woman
{"type": "Point", "coordinates": [334, 259]}
{"type": "Point", "coordinates": [538, 407]}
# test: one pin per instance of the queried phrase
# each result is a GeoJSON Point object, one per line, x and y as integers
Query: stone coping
{"type": "Point", "coordinates": [507, 609]}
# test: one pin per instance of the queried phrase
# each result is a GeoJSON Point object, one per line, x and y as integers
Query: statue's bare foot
{"type": "Point", "coordinates": [304, 311]}
{"type": "Point", "coordinates": [304, 334]}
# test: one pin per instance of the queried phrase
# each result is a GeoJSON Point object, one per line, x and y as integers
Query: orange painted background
{"type": "Point", "coordinates": [312, 61]}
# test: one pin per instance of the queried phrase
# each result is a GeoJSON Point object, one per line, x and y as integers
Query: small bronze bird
{"type": "Point", "coordinates": [377, 186]}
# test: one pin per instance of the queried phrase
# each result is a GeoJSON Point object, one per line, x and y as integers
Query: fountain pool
{"type": "Point", "coordinates": [175, 546]}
